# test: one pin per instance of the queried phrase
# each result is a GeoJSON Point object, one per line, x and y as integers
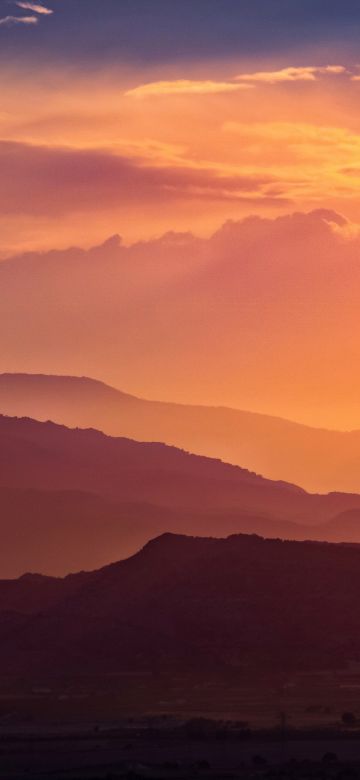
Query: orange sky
{"type": "Point", "coordinates": [150, 151]}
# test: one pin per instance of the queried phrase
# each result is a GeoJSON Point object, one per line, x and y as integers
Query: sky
{"type": "Point", "coordinates": [154, 115]}
{"type": "Point", "coordinates": [147, 118]}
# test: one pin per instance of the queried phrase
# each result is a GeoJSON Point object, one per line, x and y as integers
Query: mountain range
{"type": "Point", "coordinates": [317, 459]}
{"type": "Point", "coordinates": [76, 499]}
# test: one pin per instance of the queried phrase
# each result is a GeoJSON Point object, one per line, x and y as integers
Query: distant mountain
{"type": "Point", "coordinates": [317, 459]}
{"type": "Point", "coordinates": [53, 457]}
{"type": "Point", "coordinates": [56, 532]}
{"type": "Point", "coordinates": [75, 499]}
{"type": "Point", "coordinates": [201, 608]}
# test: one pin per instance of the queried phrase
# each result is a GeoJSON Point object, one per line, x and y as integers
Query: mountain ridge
{"type": "Point", "coordinates": [318, 459]}
{"type": "Point", "coordinates": [59, 486]}
{"type": "Point", "coordinates": [191, 606]}
{"type": "Point", "coordinates": [111, 389]}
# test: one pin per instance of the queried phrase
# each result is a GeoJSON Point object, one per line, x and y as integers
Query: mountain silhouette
{"type": "Point", "coordinates": [76, 498]}
{"type": "Point", "coordinates": [51, 456]}
{"type": "Point", "coordinates": [45, 530]}
{"type": "Point", "coordinates": [189, 606]}
{"type": "Point", "coordinates": [317, 459]}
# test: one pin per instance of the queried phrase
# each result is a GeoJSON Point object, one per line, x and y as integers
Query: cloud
{"type": "Point", "coordinates": [184, 87]}
{"type": "Point", "coordinates": [265, 311]}
{"type": "Point", "coordinates": [36, 7]}
{"type": "Point", "coordinates": [308, 73]}
{"type": "Point", "coordinates": [241, 81]}
{"type": "Point", "coordinates": [95, 179]}
{"type": "Point", "coordinates": [9, 21]}
{"type": "Point", "coordinates": [296, 133]}
{"type": "Point", "coordinates": [309, 160]}
{"type": "Point", "coordinates": [26, 5]}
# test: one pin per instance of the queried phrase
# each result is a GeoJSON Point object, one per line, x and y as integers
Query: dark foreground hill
{"type": "Point", "coordinates": [317, 459]}
{"type": "Point", "coordinates": [73, 499]}
{"type": "Point", "coordinates": [202, 608]}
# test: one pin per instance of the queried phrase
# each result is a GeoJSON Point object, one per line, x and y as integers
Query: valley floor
{"type": "Point", "coordinates": [276, 729]}
{"type": "Point", "coordinates": [66, 755]}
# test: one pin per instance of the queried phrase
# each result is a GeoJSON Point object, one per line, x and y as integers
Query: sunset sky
{"type": "Point", "coordinates": [145, 117]}
{"type": "Point", "coordinates": [140, 116]}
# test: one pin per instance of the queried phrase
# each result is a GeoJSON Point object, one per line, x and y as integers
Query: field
{"type": "Point", "coordinates": [306, 727]}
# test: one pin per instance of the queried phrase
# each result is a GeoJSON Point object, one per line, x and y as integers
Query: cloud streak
{"type": "Point", "coordinates": [241, 81]}
{"type": "Point", "coordinates": [35, 7]}
{"type": "Point", "coordinates": [10, 21]}
{"type": "Point", "coordinates": [184, 87]}
{"type": "Point", "coordinates": [307, 73]}
{"type": "Point", "coordinates": [91, 179]}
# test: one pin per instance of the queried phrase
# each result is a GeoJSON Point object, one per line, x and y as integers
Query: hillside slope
{"type": "Point", "coordinates": [57, 532]}
{"type": "Point", "coordinates": [317, 459]}
{"type": "Point", "coordinates": [192, 606]}
{"type": "Point", "coordinates": [75, 499]}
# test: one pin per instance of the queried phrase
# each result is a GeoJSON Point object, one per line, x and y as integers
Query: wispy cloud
{"type": "Point", "coordinates": [87, 180]}
{"type": "Point", "coordinates": [184, 87]}
{"type": "Point", "coordinates": [9, 21]}
{"type": "Point", "coordinates": [310, 161]}
{"type": "Point", "coordinates": [307, 73]}
{"type": "Point", "coordinates": [234, 83]}
{"type": "Point", "coordinates": [35, 7]}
